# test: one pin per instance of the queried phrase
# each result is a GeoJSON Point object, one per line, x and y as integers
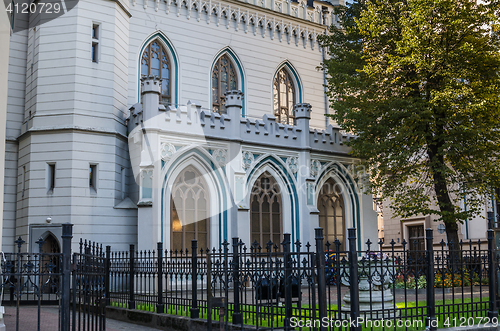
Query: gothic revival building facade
{"type": "Point", "coordinates": [174, 120]}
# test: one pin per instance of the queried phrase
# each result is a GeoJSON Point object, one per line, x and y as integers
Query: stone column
{"type": "Point", "coordinates": [308, 219]}
{"type": "Point", "coordinates": [151, 89]}
{"type": "Point", "coordinates": [234, 104]}
{"type": "Point", "coordinates": [148, 231]}
{"type": "Point", "coordinates": [302, 113]}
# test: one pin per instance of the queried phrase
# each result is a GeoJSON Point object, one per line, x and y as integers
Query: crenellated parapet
{"type": "Point", "coordinates": [193, 121]}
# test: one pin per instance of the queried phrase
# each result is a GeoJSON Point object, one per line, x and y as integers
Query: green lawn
{"type": "Point", "coordinates": [411, 315]}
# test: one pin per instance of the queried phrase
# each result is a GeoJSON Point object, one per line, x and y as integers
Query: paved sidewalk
{"type": "Point", "coordinates": [49, 316]}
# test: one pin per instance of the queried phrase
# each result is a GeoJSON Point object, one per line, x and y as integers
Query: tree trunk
{"type": "Point", "coordinates": [438, 169]}
{"type": "Point", "coordinates": [453, 245]}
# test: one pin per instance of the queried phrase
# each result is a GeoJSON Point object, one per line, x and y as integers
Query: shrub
{"type": "Point", "coordinates": [421, 282]}
{"type": "Point", "coordinates": [448, 279]}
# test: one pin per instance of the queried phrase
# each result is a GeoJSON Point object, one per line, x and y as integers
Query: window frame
{"type": "Point", "coordinates": [93, 177]}
{"type": "Point", "coordinates": [336, 197]}
{"type": "Point", "coordinates": [257, 188]}
{"type": "Point", "coordinates": [278, 106]}
{"type": "Point", "coordinates": [51, 177]}
{"type": "Point", "coordinates": [168, 99]}
{"type": "Point", "coordinates": [179, 185]}
{"type": "Point", "coordinates": [95, 43]}
{"type": "Point", "coordinates": [217, 69]}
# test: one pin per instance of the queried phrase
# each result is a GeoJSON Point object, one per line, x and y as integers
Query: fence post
{"type": "Point", "coordinates": [492, 313]}
{"type": "Point", "coordinates": [160, 307]}
{"type": "Point", "coordinates": [131, 300]}
{"type": "Point", "coordinates": [237, 317]}
{"type": "Point", "coordinates": [288, 288]}
{"type": "Point", "coordinates": [108, 275]}
{"type": "Point", "coordinates": [67, 235]}
{"type": "Point", "coordinates": [195, 311]}
{"type": "Point", "coordinates": [430, 320]}
{"type": "Point", "coordinates": [320, 265]}
{"type": "Point", "coordinates": [353, 279]}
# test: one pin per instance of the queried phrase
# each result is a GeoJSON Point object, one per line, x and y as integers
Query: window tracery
{"type": "Point", "coordinates": [189, 211]}
{"type": "Point", "coordinates": [265, 211]}
{"type": "Point", "coordinates": [224, 79]}
{"type": "Point", "coordinates": [284, 97]}
{"type": "Point", "coordinates": [155, 61]}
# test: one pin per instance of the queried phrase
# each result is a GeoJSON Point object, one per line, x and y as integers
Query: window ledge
{"type": "Point", "coordinates": [126, 204]}
{"type": "Point", "coordinates": [145, 203]}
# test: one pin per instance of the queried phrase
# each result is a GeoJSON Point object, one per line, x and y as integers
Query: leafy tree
{"type": "Point", "coordinates": [418, 82]}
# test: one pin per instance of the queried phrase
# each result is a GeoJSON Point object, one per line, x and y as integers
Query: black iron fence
{"type": "Point", "coordinates": [74, 283]}
{"type": "Point", "coordinates": [311, 286]}
{"type": "Point", "coordinates": [315, 286]}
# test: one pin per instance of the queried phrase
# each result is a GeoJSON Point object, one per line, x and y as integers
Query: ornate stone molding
{"type": "Point", "coordinates": [220, 156]}
{"type": "Point", "coordinates": [293, 164]}
{"type": "Point", "coordinates": [167, 150]}
{"type": "Point", "coordinates": [315, 168]}
{"type": "Point", "coordinates": [232, 15]}
{"type": "Point", "coordinates": [247, 159]}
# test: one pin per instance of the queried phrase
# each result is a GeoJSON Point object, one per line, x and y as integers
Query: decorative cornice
{"type": "Point", "coordinates": [294, 21]}
{"type": "Point", "coordinates": [72, 128]}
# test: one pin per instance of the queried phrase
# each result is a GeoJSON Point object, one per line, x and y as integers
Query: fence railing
{"type": "Point", "coordinates": [317, 285]}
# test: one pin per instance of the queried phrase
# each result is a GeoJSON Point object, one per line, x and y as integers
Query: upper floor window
{"type": "Point", "coordinates": [96, 32]}
{"type": "Point", "coordinates": [284, 97]}
{"type": "Point", "coordinates": [155, 61]}
{"type": "Point", "coordinates": [224, 79]}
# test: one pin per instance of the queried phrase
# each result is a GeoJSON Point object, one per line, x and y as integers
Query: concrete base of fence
{"type": "Point", "coordinates": [473, 328]}
{"type": "Point", "coordinates": [166, 322]}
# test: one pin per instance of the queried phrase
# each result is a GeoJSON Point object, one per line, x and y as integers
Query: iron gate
{"type": "Point", "coordinates": [45, 291]}
{"type": "Point", "coordinates": [88, 291]}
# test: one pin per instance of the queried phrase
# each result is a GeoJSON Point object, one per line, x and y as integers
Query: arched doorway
{"type": "Point", "coordinates": [266, 223]}
{"type": "Point", "coordinates": [50, 263]}
{"type": "Point", "coordinates": [332, 213]}
{"type": "Point", "coordinates": [189, 211]}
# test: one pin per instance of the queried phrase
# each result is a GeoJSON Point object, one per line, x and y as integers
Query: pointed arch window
{"type": "Point", "coordinates": [155, 61]}
{"type": "Point", "coordinates": [189, 211]}
{"type": "Point", "coordinates": [265, 213]}
{"type": "Point", "coordinates": [224, 78]}
{"type": "Point", "coordinates": [331, 213]}
{"type": "Point", "coordinates": [284, 97]}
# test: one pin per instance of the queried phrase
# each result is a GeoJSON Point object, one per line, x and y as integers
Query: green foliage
{"type": "Point", "coordinates": [422, 282]}
{"type": "Point", "coordinates": [418, 82]}
{"type": "Point", "coordinates": [410, 283]}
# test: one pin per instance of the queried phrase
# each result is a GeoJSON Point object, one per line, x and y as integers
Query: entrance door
{"type": "Point", "coordinates": [417, 244]}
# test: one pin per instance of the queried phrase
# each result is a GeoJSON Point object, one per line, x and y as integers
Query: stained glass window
{"type": "Point", "coordinates": [331, 213]}
{"type": "Point", "coordinates": [284, 97]}
{"type": "Point", "coordinates": [265, 211]}
{"type": "Point", "coordinates": [155, 61]}
{"type": "Point", "coordinates": [224, 79]}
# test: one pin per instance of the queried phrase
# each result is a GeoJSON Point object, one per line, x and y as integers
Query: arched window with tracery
{"type": "Point", "coordinates": [284, 97]}
{"type": "Point", "coordinates": [265, 211]}
{"type": "Point", "coordinates": [331, 213]}
{"type": "Point", "coordinates": [224, 78]}
{"type": "Point", "coordinates": [189, 211]}
{"type": "Point", "coordinates": [155, 61]}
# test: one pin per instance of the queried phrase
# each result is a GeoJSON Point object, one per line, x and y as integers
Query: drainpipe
{"type": "Point", "coordinates": [324, 11]}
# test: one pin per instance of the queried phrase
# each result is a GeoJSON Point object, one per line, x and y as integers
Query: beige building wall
{"type": "Point", "coordinates": [397, 228]}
